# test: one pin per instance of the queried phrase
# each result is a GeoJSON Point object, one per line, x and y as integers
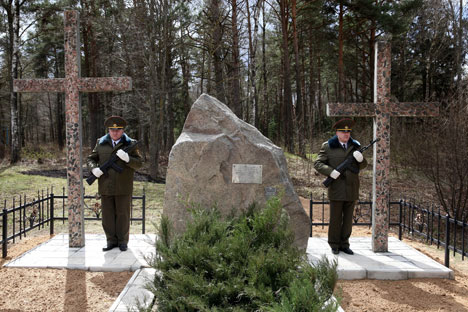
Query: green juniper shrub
{"type": "Point", "coordinates": [239, 263]}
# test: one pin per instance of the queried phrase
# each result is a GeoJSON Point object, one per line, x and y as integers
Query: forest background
{"type": "Point", "coordinates": [275, 63]}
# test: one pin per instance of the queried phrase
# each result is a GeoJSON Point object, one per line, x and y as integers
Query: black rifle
{"type": "Point", "coordinates": [348, 164]}
{"type": "Point", "coordinates": [111, 163]}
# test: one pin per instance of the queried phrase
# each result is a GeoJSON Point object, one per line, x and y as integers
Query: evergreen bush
{"type": "Point", "coordinates": [240, 263]}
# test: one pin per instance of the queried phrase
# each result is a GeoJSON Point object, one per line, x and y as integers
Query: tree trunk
{"type": "Point", "coordinates": [202, 69]}
{"type": "Point", "coordinates": [155, 95]}
{"type": "Point", "coordinates": [154, 138]}
{"type": "Point", "coordinates": [313, 109]}
{"type": "Point", "coordinates": [287, 96]}
{"type": "Point", "coordinates": [265, 80]}
{"type": "Point", "coordinates": [427, 81]}
{"type": "Point", "coordinates": [279, 109]}
{"type": "Point", "coordinates": [252, 62]}
{"type": "Point", "coordinates": [319, 92]}
{"type": "Point", "coordinates": [209, 75]}
{"type": "Point", "coordinates": [299, 101]}
{"type": "Point", "coordinates": [372, 57]}
{"type": "Point", "coordinates": [184, 64]}
{"type": "Point", "coordinates": [51, 119]}
{"type": "Point", "coordinates": [340, 55]}
{"type": "Point", "coordinates": [217, 49]}
{"type": "Point", "coordinates": [236, 102]}
{"type": "Point", "coordinates": [15, 126]}
{"type": "Point", "coordinates": [59, 110]}
{"type": "Point", "coordinates": [363, 84]}
{"type": "Point", "coordinates": [3, 136]}
{"type": "Point", "coordinates": [460, 48]}
{"type": "Point", "coordinates": [91, 70]}
{"type": "Point", "coordinates": [169, 112]}
{"type": "Point", "coordinates": [60, 121]}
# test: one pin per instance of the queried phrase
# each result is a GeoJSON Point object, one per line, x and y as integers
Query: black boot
{"type": "Point", "coordinates": [346, 250]}
{"type": "Point", "coordinates": [109, 247]}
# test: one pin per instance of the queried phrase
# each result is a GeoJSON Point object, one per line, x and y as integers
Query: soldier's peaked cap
{"type": "Point", "coordinates": [345, 124]}
{"type": "Point", "coordinates": [115, 122]}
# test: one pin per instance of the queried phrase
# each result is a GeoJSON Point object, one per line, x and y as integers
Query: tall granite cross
{"type": "Point", "coordinates": [72, 85]}
{"type": "Point", "coordinates": [382, 110]}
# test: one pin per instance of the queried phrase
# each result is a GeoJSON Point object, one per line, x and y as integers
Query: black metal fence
{"type": "Point", "coordinates": [27, 215]}
{"type": "Point", "coordinates": [429, 224]}
{"type": "Point", "coordinates": [362, 213]}
{"type": "Point", "coordinates": [435, 227]}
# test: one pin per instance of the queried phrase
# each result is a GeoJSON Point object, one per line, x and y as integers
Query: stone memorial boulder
{"type": "Point", "coordinates": [221, 160]}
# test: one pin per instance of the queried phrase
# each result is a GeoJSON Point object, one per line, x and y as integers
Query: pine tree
{"type": "Point", "coordinates": [241, 263]}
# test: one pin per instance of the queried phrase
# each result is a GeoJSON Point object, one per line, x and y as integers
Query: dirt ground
{"type": "Point", "coordinates": [409, 295]}
{"type": "Point", "coordinates": [56, 290]}
{"type": "Point", "coordinates": [73, 290]}
{"type": "Point", "coordinates": [405, 295]}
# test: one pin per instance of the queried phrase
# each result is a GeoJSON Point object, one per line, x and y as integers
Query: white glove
{"type": "Point", "coordinates": [123, 155]}
{"type": "Point", "coordinates": [335, 174]}
{"type": "Point", "coordinates": [358, 156]}
{"type": "Point", "coordinates": [97, 172]}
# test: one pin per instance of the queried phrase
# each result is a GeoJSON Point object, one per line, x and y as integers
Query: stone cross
{"type": "Point", "coordinates": [72, 85]}
{"type": "Point", "coordinates": [382, 110]}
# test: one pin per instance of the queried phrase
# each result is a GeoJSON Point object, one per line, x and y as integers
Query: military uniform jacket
{"type": "Point", "coordinates": [114, 183]}
{"type": "Point", "coordinates": [331, 155]}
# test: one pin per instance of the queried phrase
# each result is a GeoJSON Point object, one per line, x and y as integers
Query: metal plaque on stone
{"type": "Point", "coordinates": [242, 173]}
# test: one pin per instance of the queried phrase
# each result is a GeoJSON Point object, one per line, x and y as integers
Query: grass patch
{"type": "Point", "coordinates": [37, 153]}
{"type": "Point", "coordinates": [14, 184]}
{"type": "Point", "coordinates": [309, 156]}
{"type": "Point", "coordinates": [312, 156]}
{"type": "Point", "coordinates": [291, 156]}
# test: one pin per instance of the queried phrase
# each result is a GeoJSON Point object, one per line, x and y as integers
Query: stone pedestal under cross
{"type": "Point", "coordinates": [72, 85]}
{"type": "Point", "coordinates": [382, 110]}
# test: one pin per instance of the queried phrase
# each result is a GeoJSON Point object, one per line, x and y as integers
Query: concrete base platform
{"type": "Point", "coordinates": [135, 294]}
{"type": "Point", "coordinates": [400, 262]}
{"type": "Point", "coordinates": [55, 254]}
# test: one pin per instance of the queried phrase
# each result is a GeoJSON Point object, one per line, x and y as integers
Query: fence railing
{"type": "Point", "coordinates": [436, 227]}
{"type": "Point", "coordinates": [362, 213]}
{"type": "Point", "coordinates": [25, 216]}
{"type": "Point", "coordinates": [430, 224]}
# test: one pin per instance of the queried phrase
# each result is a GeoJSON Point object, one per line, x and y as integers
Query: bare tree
{"type": "Point", "coordinates": [442, 158]}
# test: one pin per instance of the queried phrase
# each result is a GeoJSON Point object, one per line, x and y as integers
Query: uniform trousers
{"type": "Point", "coordinates": [116, 218]}
{"type": "Point", "coordinates": [341, 223]}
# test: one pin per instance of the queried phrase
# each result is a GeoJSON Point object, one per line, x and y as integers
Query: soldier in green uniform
{"type": "Point", "coordinates": [115, 188]}
{"type": "Point", "coordinates": [343, 192]}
